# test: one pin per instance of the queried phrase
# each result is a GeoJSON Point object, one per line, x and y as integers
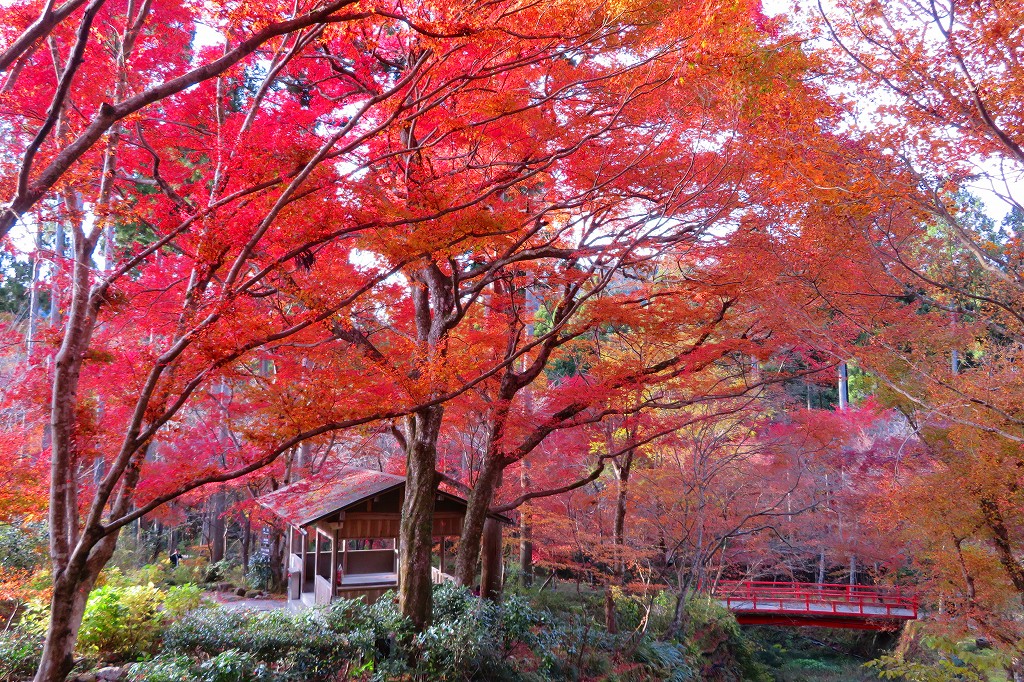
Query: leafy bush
{"type": "Point", "coordinates": [216, 572]}
{"type": "Point", "coordinates": [181, 599]}
{"type": "Point", "coordinates": [469, 639]}
{"type": "Point", "coordinates": [19, 653]}
{"type": "Point", "coordinates": [22, 546]}
{"type": "Point", "coordinates": [474, 639]}
{"type": "Point", "coordinates": [300, 643]}
{"type": "Point", "coordinates": [151, 573]}
{"type": "Point", "coordinates": [163, 668]}
{"type": "Point", "coordinates": [664, 661]}
{"type": "Point", "coordinates": [925, 657]}
{"type": "Point", "coordinates": [229, 666]}
{"type": "Point", "coordinates": [260, 575]}
{"type": "Point", "coordinates": [895, 668]}
{"type": "Point", "coordinates": [121, 623]}
{"type": "Point", "coordinates": [233, 666]}
{"type": "Point", "coordinates": [714, 638]}
{"type": "Point", "coordinates": [187, 571]}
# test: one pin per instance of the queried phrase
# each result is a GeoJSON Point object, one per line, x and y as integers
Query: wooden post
{"type": "Point", "coordinates": [335, 584]}
{"type": "Point", "coordinates": [441, 555]}
{"type": "Point", "coordinates": [490, 573]}
{"type": "Point", "coordinates": [344, 556]}
{"type": "Point", "coordinates": [316, 556]}
{"type": "Point", "coordinates": [302, 574]}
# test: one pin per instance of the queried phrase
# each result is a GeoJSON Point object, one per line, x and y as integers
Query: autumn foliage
{"type": "Point", "coordinates": [594, 265]}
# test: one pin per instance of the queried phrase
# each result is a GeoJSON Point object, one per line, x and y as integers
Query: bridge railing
{"type": "Point", "coordinates": [866, 600]}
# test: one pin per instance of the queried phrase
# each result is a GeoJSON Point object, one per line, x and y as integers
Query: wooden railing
{"type": "Point", "coordinates": [438, 578]}
{"type": "Point", "coordinates": [322, 590]}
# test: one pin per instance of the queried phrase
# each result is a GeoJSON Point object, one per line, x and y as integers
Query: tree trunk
{"type": "Point", "coordinates": [217, 527]}
{"type": "Point", "coordinates": [74, 568]}
{"type": "Point", "coordinates": [71, 589]}
{"type": "Point", "coordinates": [473, 525]}
{"type": "Point", "coordinates": [416, 533]}
{"type": "Point", "coordinates": [618, 538]}
{"type": "Point", "coordinates": [278, 566]}
{"type": "Point", "coordinates": [33, 299]}
{"type": "Point", "coordinates": [67, 607]}
{"type": "Point", "coordinates": [610, 623]}
{"type": "Point", "coordinates": [1004, 547]}
{"type": "Point", "coordinates": [492, 564]}
{"type": "Point", "coordinates": [525, 548]}
{"type": "Point", "coordinates": [246, 529]}
{"type": "Point", "coordinates": [677, 628]}
{"type": "Point", "coordinates": [157, 532]}
{"type": "Point", "coordinates": [525, 530]}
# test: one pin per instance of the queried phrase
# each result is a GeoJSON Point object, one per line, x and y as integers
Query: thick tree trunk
{"type": "Point", "coordinates": [71, 590]}
{"type": "Point", "coordinates": [216, 525]}
{"type": "Point", "coordinates": [416, 534]}
{"type": "Point", "coordinates": [525, 548]}
{"type": "Point", "coordinates": [492, 564]}
{"type": "Point", "coordinates": [1004, 546]}
{"type": "Point", "coordinates": [278, 566]}
{"type": "Point", "coordinates": [688, 580]}
{"type": "Point", "coordinates": [525, 531]}
{"type": "Point", "coordinates": [479, 502]}
{"type": "Point", "coordinates": [66, 610]}
{"type": "Point", "coordinates": [74, 570]}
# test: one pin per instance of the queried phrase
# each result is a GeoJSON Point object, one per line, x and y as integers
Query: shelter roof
{"type": "Point", "coordinates": [322, 494]}
{"type": "Point", "coordinates": [317, 496]}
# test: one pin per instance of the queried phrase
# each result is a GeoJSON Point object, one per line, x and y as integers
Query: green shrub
{"type": "Point", "coordinates": [181, 599]}
{"type": "Point", "coordinates": [715, 639]}
{"type": "Point", "coordinates": [121, 623]}
{"type": "Point", "coordinates": [297, 642]}
{"type": "Point", "coordinates": [260, 575]}
{"type": "Point", "coordinates": [163, 668]}
{"type": "Point", "coordinates": [22, 546]}
{"type": "Point", "coordinates": [229, 666]}
{"type": "Point", "coordinates": [664, 661]}
{"type": "Point", "coordinates": [474, 639]}
{"type": "Point", "coordinates": [19, 653]}
{"type": "Point", "coordinates": [187, 571]}
{"type": "Point", "coordinates": [469, 639]}
{"type": "Point", "coordinates": [233, 666]}
{"type": "Point", "coordinates": [896, 668]}
{"type": "Point", "coordinates": [216, 572]}
{"type": "Point", "coordinates": [151, 573]}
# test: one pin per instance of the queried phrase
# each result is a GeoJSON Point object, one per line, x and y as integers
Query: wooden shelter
{"type": "Point", "coordinates": [343, 529]}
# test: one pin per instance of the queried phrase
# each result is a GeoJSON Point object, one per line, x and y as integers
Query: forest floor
{"type": "Point", "coordinates": [233, 602]}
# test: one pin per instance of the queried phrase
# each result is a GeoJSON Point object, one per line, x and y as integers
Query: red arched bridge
{"type": "Point", "coordinates": [862, 607]}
